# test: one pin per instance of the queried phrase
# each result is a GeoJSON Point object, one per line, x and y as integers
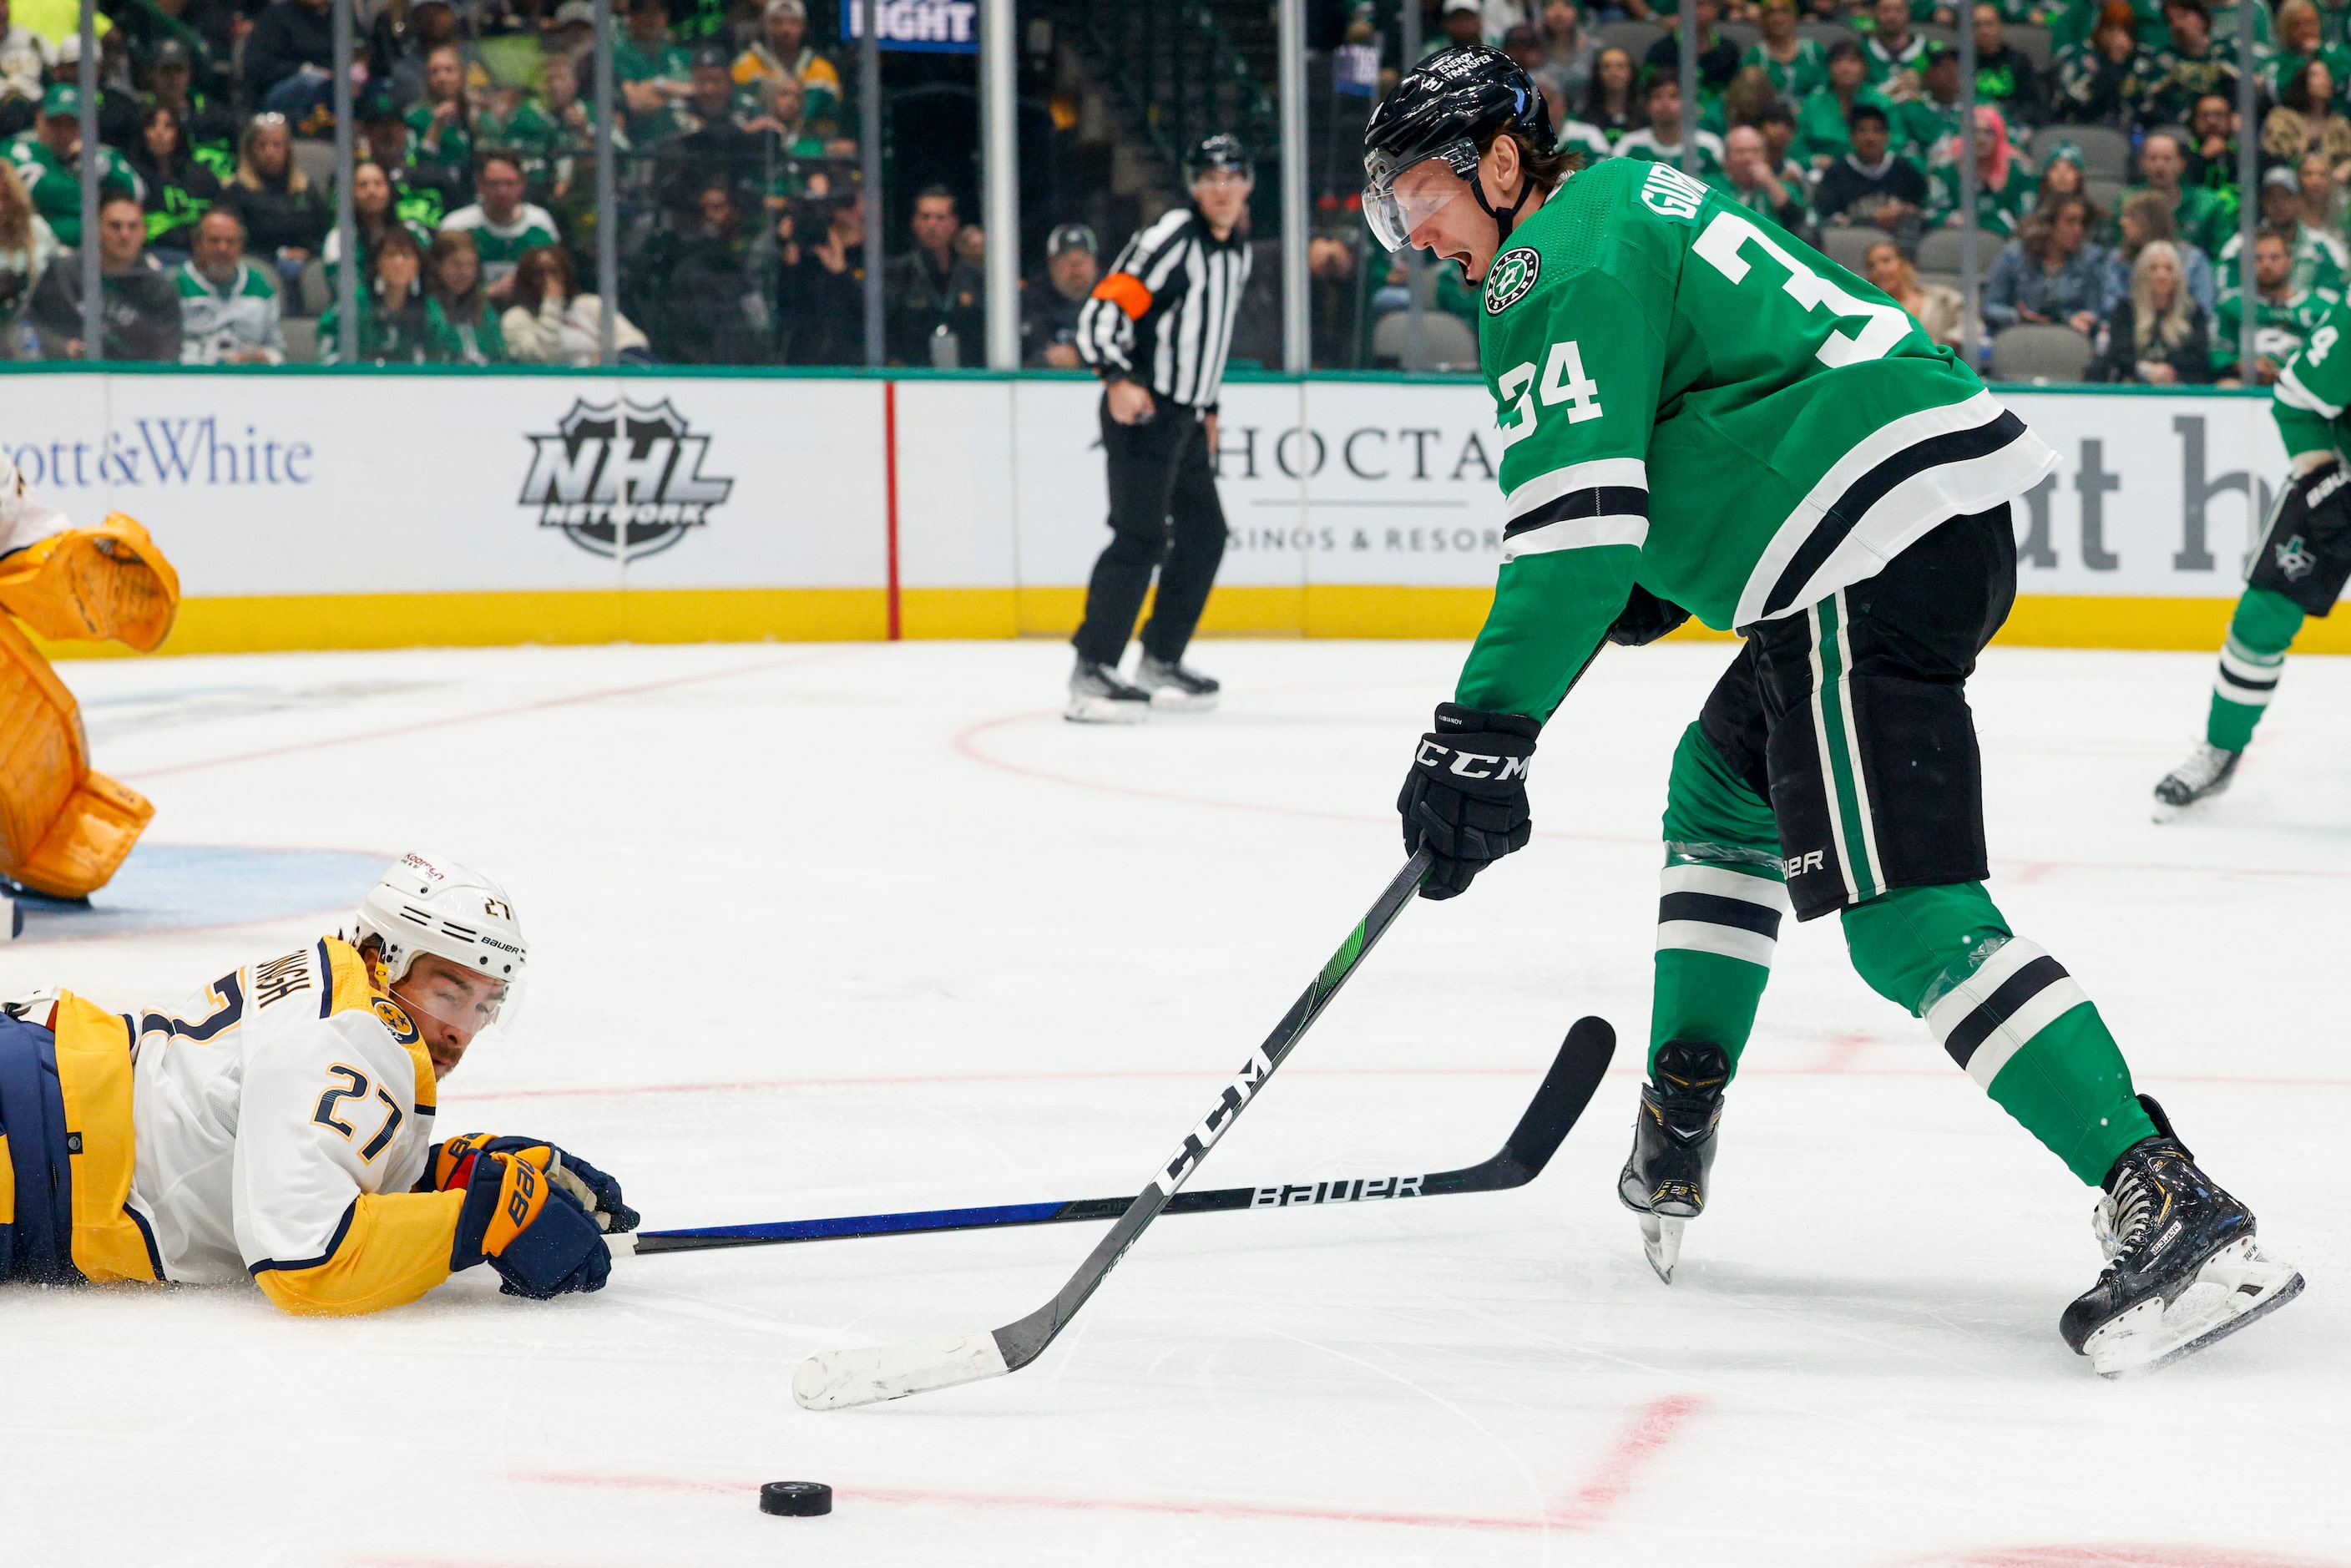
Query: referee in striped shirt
{"type": "Point", "coordinates": [1155, 330]}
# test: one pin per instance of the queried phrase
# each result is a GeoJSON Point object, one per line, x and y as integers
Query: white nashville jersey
{"type": "Point", "coordinates": [266, 1106]}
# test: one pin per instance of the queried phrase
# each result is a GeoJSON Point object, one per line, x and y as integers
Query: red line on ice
{"type": "Point", "coordinates": [912, 1080]}
{"type": "Point", "coordinates": [2114, 1555]}
{"type": "Point", "coordinates": [1621, 1469]}
{"type": "Point", "coordinates": [965, 744]}
{"type": "Point", "coordinates": [1624, 1466]}
{"type": "Point", "coordinates": [542, 705]}
{"type": "Point", "coordinates": [851, 1496]}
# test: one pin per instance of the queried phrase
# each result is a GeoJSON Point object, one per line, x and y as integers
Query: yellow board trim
{"type": "Point", "coordinates": [7, 1184]}
{"type": "Point", "coordinates": [94, 1082]}
{"type": "Point", "coordinates": [244, 625]}
{"type": "Point", "coordinates": [346, 620]}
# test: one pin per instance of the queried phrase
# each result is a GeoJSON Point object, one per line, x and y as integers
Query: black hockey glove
{"type": "Point", "coordinates": [1644, 619]}
{"type": "Point", "coordinates": [2305, 551]}
{"type": "Point", "coordinates": [1465, 800]}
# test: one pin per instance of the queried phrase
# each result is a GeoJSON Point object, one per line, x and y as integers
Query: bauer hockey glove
{"type": "Point", "coordinates": [1465, 801]}
{"type": "Point", "coordinates": [451, 1166]}
{"type": "Point", "coordinates": [534, 1234]}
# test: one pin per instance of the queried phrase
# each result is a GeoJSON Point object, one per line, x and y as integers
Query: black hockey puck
{"type": "Point", "coordinates": [801, 1500]}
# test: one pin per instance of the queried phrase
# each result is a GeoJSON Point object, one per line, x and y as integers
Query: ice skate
{"type": "Point", "coordinates": [1099, 694]}
{"type": "Point", "coordinates": [2182, 1269]}
{"type": "Point", "coordinates": [1174, 687]}
{"type": "Point", "coordinates": [1672, 1146]}
{"type": "Point", "coordinates": [2205, 774]}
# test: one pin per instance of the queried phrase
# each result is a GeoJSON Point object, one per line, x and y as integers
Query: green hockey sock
{"type": "Point", "coordinates": [2008, 1013]}
{"type": "Point", "coordinates": [1720, 900]}
{"type": "Point", "coordinates": [2252, 659]}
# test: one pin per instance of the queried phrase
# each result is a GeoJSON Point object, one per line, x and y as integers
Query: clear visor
{"type": "Point", "coordinates": [1398, 200]}
{"type": "Point", "coordinates": [440, 991]}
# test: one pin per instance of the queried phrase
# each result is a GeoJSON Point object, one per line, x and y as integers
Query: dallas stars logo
{"type": "Point", "coordinates": [2296, 559]}
{"type": "Point", "coordinates": [1508, 281]}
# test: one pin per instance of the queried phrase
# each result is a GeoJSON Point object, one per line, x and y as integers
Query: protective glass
{"type": "Point", "coordinates": [441, 990]}
{"type": "Point", "coordinates": [1392, 216]}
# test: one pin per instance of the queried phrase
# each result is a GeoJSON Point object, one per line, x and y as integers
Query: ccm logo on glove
{"type": "Point", "coordinates": [1465, 801]}
{"type": "Point", "coordinates": [1473, 764]}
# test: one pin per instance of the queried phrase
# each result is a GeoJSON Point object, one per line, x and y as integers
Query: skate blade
{"type": "Point", "coordinates": [1661, 1242]}
{"type": "Point", "coordinates": [1103, 710]}
{"type": "Point", "coordinates": [1168, 699]}
{"type": "Point", "coordinates": [2236, 1286]}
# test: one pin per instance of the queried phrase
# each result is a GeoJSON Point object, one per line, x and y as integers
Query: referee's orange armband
{"type": "Point", "coordinates": [1126, 291]}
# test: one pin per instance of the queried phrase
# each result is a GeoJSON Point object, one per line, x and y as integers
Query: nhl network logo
{"type": "Point", "coordinates": [622, 480]}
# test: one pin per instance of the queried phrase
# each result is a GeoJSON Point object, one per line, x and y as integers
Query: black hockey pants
{"type": "Point", "coordinates": [1164, 517]}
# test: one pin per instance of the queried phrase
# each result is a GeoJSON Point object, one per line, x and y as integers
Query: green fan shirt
{"type": "Point", "coordinates": [1690, 399]}
{"type": "Point", "coordinates": [2282, 328]}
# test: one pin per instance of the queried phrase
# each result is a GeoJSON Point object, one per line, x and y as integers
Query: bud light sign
{"type": "Point", "coordinates": [940, 27]}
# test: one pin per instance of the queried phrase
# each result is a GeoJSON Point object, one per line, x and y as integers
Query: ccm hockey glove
{"type": "Point", "coordinates": [452, 1166]}
{"type": "Point", "coordinates": [1465, 800]}
{"type": "Point", "coordinates": [534, 1234]}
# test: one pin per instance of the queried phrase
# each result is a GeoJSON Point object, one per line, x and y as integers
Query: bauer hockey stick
{"type": "Point", "coordinates": [837, 1379]}
{"type": "Point", "coordinates": [1575, 1073]}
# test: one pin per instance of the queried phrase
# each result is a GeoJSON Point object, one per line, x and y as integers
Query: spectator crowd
{"type": "Point", "coordinates": [2107, 199]}
{"type": "Point", "coordinates": [739, 220]}
{"type": "Point", "coordinates": [2106, 192]}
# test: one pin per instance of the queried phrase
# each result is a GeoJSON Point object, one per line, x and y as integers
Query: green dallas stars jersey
{"type": "Point", "coordinates": [2315, 388]}
{"type": "Point", "coordinates": [1690, 399]}
{"type": "Point", "coordinates": [55, 185]}
{"type": "Point", "coordinates": [2280, 327]}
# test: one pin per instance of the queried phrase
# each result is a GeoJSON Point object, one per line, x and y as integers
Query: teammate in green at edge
{"type": "Point", "coordinates": [2299, 571]}
{"type": "Point", "coordinates": [1699, 414]}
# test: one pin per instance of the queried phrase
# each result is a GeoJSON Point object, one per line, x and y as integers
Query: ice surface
{"type": "Point", "coordinates": [823, 930]}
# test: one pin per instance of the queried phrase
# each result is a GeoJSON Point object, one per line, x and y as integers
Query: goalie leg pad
{"type": "Point", "coordinates": [64, 830]}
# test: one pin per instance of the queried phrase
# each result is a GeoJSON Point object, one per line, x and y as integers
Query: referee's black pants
{"type": "Point", "coordinates": [1164, 517]}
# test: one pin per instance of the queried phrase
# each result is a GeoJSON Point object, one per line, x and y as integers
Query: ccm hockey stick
{"type": "Point", "coordinates": [1566, 1088]}
{"type": "Point", "coordinates": [837, 1379]}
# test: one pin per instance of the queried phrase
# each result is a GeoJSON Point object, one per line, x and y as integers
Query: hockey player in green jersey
{"type": "Point", "coordinates": [1699, 414]}
{"type": "Point", "coordinates": [2299, 570]}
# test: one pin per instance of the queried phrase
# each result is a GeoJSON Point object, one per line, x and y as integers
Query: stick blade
{"type": "Point", "coordinates": [1574, 1077]}
{"type": "Point", "coordinates": [868, 1375]}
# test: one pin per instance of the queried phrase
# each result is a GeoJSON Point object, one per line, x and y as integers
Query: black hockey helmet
{"type": "Point", "coordinates": [1440, 109]}
{"type": "Point", "coordinates": [1222, 151]}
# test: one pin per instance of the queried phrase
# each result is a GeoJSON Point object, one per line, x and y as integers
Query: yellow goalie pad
{"type": "Point", "coordinates": [92, 584]}
{"type": "Point", "coordinates": [64, 830]}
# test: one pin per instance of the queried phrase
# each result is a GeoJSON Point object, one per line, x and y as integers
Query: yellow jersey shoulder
{"type": "Point", "coordinates": [330, 977]}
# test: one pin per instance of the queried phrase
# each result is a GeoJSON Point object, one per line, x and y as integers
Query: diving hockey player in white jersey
{"type": "Point", "coordinates": [280, 1124]}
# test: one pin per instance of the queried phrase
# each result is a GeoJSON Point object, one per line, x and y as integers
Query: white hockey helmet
{"type": "Point", "coordinates": [427, 904]}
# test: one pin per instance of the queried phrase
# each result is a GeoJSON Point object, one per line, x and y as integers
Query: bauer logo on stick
{"type": "Point", "coordinates": [1513, 273]}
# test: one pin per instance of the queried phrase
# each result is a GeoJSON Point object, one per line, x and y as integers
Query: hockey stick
{"type": "Point", "coordinates": [1559, 1100]}
{"type": "Point", "coordinates": [836, 1379]}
